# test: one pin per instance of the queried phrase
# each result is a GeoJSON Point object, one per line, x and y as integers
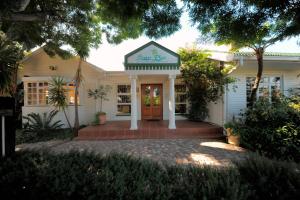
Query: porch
{"type": "Point", "coordinates": [120, 130]}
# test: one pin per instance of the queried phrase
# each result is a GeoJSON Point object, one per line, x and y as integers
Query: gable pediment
{"type": "Point", "coordinates": [152, 54]}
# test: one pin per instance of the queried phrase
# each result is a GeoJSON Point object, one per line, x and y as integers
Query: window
{"type": "Point", "coordinates": [37, 93]}
{"type": "Point", "coordinates": [180, 99]}
{"type": "Point", "coordinates": [123, 100]}
{"type": "Point", "coordinates": [71, 94]}
{"type": "Point", "coordinates": [269, 87]}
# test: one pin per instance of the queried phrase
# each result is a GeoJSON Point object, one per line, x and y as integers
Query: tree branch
{"type": "Point", "coordinates": [23, 17]}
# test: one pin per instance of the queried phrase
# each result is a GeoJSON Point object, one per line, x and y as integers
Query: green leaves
{"type": "Point", "coordinates": [204, 79]}
{"type": "Point", "coordinates": [10, 54]}
{"type": "Point", "coordinates": [41, 123]}
{"type": "Point", "coordinates": [58, 93]}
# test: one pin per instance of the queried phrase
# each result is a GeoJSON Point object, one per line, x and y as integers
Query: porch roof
{"type": "Point", "coordinates": [152, 57]}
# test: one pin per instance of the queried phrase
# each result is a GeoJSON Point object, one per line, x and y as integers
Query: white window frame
{"type": "Point", "coordinates": [181, 103]}
{"type": "Point", "coordinates": [68, 84]}
{"type": "Point", "coordinates": [37, 94]}
{"type": "Point", "coordinates": [123, 94]}
{"type": "Point", "coordinates": [269, 85]}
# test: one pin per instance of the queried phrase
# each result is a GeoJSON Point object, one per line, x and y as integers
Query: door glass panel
{"type": "Point", "coordinates": [156, 96]}
{"type": "Point", "coordinates": [147, 97]}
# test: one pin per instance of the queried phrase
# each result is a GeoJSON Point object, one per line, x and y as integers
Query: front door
{"type": "Point", "coordinates": [152, 99]}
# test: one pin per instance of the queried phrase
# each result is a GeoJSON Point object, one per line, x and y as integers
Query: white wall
{"type": "Point", "coordinates": [236, 98]}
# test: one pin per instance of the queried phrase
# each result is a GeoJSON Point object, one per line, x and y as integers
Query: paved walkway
{"type": "Point", "coordinates": [170, 151]}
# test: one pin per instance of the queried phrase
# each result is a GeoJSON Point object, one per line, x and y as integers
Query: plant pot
{"type": "Point", "coordinates": [232, 139]}
{"type": "Point", "coordinates": [102, 119]}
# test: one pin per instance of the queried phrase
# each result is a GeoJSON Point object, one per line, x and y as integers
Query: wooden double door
{"type": "Point", "coordinates": [152, 101]}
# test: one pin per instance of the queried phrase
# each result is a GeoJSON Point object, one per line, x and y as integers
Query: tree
{"type": "Point", "coordinates": [205, 81]}
{"type": "Point", "coordinates": [80, 25]}
{"type": "Point", "coordinates": [10, 54]}
{"type": "Point", "coordinates": [58, 95]}
{"type": "Point", "coordinates": [244, 23]}
{"type": "Point", "coordinates": [55, 23]}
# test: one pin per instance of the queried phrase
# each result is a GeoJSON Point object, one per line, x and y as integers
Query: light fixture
{"type": "Point", "coordinates": [53, 67]}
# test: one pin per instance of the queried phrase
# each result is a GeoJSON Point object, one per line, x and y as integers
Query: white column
{"type": "Point", "coordinates": [172, 102]}
{"type": "Point", "coordinates": [133, 103]}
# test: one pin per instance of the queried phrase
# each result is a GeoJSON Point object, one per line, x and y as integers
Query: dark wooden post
{"type": "Point", "coordinates": [7, 126]}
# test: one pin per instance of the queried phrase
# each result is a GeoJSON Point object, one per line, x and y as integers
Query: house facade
{"type": "Point", "coordinates": [150, 87]}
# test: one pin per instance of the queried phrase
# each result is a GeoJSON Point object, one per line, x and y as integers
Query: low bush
{"type": "Point", "coordinates": [31, 137]}
{"type": "Point", "coordinates": [272, 129]}
{"type": "Point", "coordinates": [32, 175]}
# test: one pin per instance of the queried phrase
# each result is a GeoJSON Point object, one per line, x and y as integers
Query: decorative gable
{"type": "Point", "coordinates": [152, 56]}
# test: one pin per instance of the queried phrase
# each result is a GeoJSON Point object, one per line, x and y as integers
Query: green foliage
{"type": "Point", "coordinates": [244, 23]}
{"type": "Point", "coordinates": [32, 175]}
{"type": "Point", "coordinates": [240, 23]}
{"type": "Point", "coordinates": [32, 137]}
{"type": "Point", "coordinates": [39, 125]}
{"type": "Point", "coordinates": [204, 79]}
{"type": "Point", "coordinates": [57, 94]}
{"type": "Point", "coordinates": [100, 93]}
{"type": "Point", "coordinates": [272, 129]}
{"type": "Point", "coordinates": [81, 24]}
{"type": "Point", "coordinates": [270, 179]}
{"type": "Point", "coordinates": [10, 54]}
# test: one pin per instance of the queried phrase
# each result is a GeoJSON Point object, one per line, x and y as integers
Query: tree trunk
{"type": "Point", "coordinates": [77, 84]}
{"type": "Point", "coordinates": [259, 52]}
{"type": "Point", "coordinates": [69, 124]}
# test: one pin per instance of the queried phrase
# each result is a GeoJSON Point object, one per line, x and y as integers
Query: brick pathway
{"type": "Point", "coordinates": [170, 151]}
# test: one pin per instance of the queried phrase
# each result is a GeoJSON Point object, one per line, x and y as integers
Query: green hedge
{"type": "Point", "coordinates": [272, 129]}
{"type": "Point", "coordinates": [32, 175]}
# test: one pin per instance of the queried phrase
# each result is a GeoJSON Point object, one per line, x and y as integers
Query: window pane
{"type": "Point", "coordinates": [156, 96]}
{"type": "Point", "coordinates": [147, 98]}
{"type": "Point", "coordinates": [124, 109]}
{"type": "Point", "coordinates": [180, 98]}
{"type": "Point", "coordinates": [180, 108]}
{"type": "Point", "coordinates": [123, 88]}
{"type": "Point", "coordinates": [180, 88]}
{"type": "Point", "coordinates": [124, 99]}
{"type": "Point", "coordinates": [266, 84]}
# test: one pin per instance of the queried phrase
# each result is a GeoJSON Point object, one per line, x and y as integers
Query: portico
{"type": "Point", "coordinates": [152, 60]}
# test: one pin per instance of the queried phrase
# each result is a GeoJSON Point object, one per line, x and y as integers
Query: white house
{"type": "Point", "coordinates": [149, 87]}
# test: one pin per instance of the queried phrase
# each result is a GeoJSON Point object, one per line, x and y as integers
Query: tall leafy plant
{"type": "Point", "coordinates": [205, 80]}
{"type": "Point", "coordinates": [100, 93]}
{"type": "Point", "coordinates": [58, 95]}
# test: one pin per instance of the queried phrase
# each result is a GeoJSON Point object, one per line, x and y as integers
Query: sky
{"type": "Point", "coordinates": [111, 57]}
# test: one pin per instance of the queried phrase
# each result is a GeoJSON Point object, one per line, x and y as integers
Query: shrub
{"type": "Point", "coordinates": [41, 124]}
{"type": "Point", "coordinates": [40, 127]}
{"type": "Point", "coordinates": [272, 129]}
{"type": "Point", "coordinates": [270, 179]}
{"type": "Point", "coordinates": [32, 175]}
{"type": "Point", "coordinates": [205, 81]}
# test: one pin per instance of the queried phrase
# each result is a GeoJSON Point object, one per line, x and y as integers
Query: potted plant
{"type": "Point", "coordinates": [100, 93]}
{"type": "Point", "coordinates": [233, 136]}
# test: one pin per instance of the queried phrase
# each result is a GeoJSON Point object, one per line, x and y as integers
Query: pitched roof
{"type": "Point", "coordinates": [268, 54]}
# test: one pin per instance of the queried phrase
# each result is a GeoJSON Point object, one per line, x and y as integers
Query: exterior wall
{"type": "Point", "coordinates": [236, 94]}
{"type": "Point", "coordinates": [110, 107]}
{"type": "Point", "coordinates": [37, 68]}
